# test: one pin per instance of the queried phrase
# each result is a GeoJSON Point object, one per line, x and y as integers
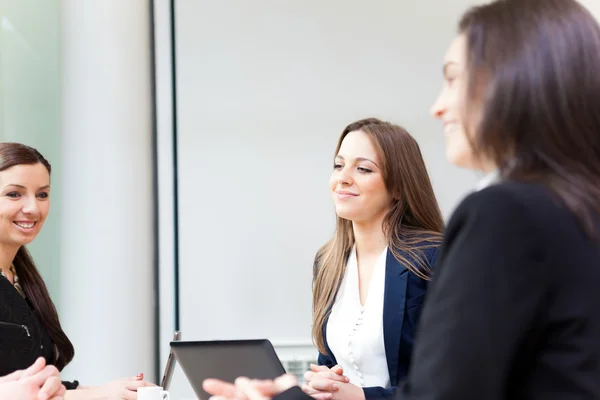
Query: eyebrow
{"type": "Point", "coordinates": [23, 187]}
{"type": "Point", "coordinates": [359, 159]}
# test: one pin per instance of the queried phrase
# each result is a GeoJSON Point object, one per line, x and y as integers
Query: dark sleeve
{"type": "Point", "coordinates": [70, 385]}
{"type": "Point", "coordinates": [377, 392]}
{"type": "Point", "coordinates": [486, 293]}
{"type": "Point", "coordinates": [294, 393]}
{"type": "Point", "coordinates": [325, 360]}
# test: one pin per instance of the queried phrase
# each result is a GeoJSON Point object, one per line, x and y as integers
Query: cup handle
{"type": "Point", "coordinates": [165, 395]}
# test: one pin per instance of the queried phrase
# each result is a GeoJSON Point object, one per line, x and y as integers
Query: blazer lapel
{"type": "Point", "coordinates": [394, 299]}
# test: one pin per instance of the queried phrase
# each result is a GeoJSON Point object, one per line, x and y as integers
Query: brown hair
{"type": "Point", "coordinates": [413, 224]}
{"type": "Point", "coordinates": [533, 72]}
{"type": "Point", "coordinates": [12, 154]}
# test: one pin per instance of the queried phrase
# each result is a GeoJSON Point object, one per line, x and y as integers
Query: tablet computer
{"type": "Point", "coordinates": [226, 360]}
{"type": "Point", "coordinates": [168, 374]}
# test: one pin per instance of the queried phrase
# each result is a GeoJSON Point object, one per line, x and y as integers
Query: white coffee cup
{"type": "Point", "coordinates": [152, 393]}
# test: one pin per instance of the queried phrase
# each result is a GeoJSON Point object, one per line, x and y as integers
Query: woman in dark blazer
{"type": "Point", "coordinates": [370, 279]}
{"type": "Point", "coordinates": [513, 311]}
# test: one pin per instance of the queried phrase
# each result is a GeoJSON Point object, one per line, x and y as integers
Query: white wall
{"type": "Point", "coordinates": [264, 89]}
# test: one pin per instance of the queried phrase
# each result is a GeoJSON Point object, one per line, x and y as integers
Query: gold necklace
{"type": "Point", "coordinates": [16, 283]}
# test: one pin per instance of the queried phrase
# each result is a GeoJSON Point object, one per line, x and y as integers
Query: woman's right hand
{"type": "Point", "coordinates": [122, 389]}
{"type": "Point", "coordinates": [328, 378]}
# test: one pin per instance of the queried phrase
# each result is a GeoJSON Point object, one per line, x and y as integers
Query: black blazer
{"type": "Point", "coordinates": [403, 298]}
{"type": "Point", "coordinates": [513, 311]}
{"type": "Point", "coordinates": [22, 336]}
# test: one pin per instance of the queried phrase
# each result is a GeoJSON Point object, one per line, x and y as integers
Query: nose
{"type": "Point", "coordinates": [438, 109]}
{"type": "Point", "coordinates": [30, 205]}
{"type": "Point", "coordinates": [344, 176]}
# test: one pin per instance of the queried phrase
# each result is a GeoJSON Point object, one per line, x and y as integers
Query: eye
{"type": "Point", "coordinates": [337, 166]}
{"type": "Point", "coordinates": [43, 195]}
{"type": "Point", "coordinates": [14, 195]}
{"type": "Point", "coordinates": [364, 170]}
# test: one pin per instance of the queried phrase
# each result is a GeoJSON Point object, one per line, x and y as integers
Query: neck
{"type": "Point", "coordinates": [7, 256]}
{"type": "Point", "coordinates": [369, 237]}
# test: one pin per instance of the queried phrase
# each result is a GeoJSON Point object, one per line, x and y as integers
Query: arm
{"type": "Point", "coordinates": [488, 289]}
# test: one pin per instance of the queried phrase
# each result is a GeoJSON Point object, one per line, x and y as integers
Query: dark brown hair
{"type": "Point", "coordinates": [413, 224]}
{"type": "Point", "coordinates": [534, 74]}
{"type": "Point", "coordinates": [12, 154]}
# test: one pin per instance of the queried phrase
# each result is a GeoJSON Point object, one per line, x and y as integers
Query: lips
{"type": "Point", "coordinates": [450, 126]}
{"type": "Point", "coordinates": [24, 224]}
{"type": "Point", "coordinates": [344, 194]}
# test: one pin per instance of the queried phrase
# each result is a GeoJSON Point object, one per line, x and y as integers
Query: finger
{"type": "Point", "coordinates": [219, 388]}
{"type": "Point", "coordinates": [12, 377]}
{"type": "Point", "coordinates": [138, 377]}
{"type": "Point", "coordinates": [267, 387]}
{"type": "Point", "coordinates": [322, 396]}
{"type": "Point", "coordinates": [50, 388]}
{"type": "Point", "coordinates": [329, 374]}
{"type": "Point", "coordinates": [134, 385]}
{"type": "Point", "coordinates": [245, 387]}
{"type": "Point", "coordinates": [318, 368]}
{"type": "Point", "coordinates": [40, 378]}
{"type": "Point", "coordinates": [308, 375]}
{"type": "Point", "coordinates": [338, 369]}
{"type": "Point", "coordinates": [309, 390]}
{"type": "Point", "coordinates": [284, 382]}
{"type": "Point", "coordinates": [36, 367]}
{"type": "Point", "coordinates": [326, 385]}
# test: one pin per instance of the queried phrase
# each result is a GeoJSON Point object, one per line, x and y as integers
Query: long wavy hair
{"type": "Point", "coordinates": [12, 154]}
{"type": "Point", "coordinates": [532, 73]}
{"type": "Point", "coordinates": [413, 223]}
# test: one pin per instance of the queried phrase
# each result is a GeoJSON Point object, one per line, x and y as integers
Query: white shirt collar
{"type": "Point", "coordinates": [488, 180]}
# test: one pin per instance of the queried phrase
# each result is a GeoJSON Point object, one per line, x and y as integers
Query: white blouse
{"type": "Point", "coordinates": [354, 332]}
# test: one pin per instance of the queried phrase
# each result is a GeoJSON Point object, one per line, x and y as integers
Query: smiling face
{"type": "Point", "coordinates": [24, 203]}
{"type": "Point", "coordinates": [449, 108]}
{"type": "Point", "coordinates": [357, 184]}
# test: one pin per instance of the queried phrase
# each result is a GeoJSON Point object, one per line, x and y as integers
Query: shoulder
{"type": "Point", "coordinates": [505, 206]}
{"type": "Point", "coordinates": [513, 215]}
{"type": "Point", "coordinates": [421, 249]}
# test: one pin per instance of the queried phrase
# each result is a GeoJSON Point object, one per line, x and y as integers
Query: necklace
{"type": "Point", "coordinates": [16, 283]}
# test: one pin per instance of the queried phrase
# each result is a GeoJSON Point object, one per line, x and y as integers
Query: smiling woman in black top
{"type": "Point", "coordinates": [29, 324]}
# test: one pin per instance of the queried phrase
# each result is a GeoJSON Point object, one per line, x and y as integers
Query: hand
{"type": "Point", "coordinates": [335, 373]}
{"type": "Point", "coordinates": [122, 389]}
{"type": "Point", "coordinates": [326, 389]}
{"type": "Point", "coordinates": [327, 379]}
{"type": "Point", "coordinates": [38, 382]}
{"type": "Point", "coordinates": [246, 389]}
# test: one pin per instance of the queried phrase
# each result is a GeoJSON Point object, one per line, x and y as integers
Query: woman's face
{"type": "Point", "coordinates": [24, 203]}
{"type": "Point", "coordinates": [357, 186]}
{"type": "Point", "coordinates": [449, 107]}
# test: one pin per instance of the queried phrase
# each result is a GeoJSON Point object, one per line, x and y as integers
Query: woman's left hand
{"type": "Point", "coordinates": [326, 389]}
{"type": "Point", "coordinates": [324, 383]}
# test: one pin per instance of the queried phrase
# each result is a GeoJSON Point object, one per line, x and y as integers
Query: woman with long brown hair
{"type": "Point", "coordinates": [29, 323]}
{"type": "Point", "coordinates": [370, 279]}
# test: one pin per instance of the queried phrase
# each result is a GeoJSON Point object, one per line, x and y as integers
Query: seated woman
{"type": "Point", "coordinates": [29, 324]}
{"type": "Point", "coordinates": [370, 279]}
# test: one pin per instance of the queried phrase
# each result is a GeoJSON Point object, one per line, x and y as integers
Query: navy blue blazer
{"type": "Point", "coordinates": [402, 303]}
